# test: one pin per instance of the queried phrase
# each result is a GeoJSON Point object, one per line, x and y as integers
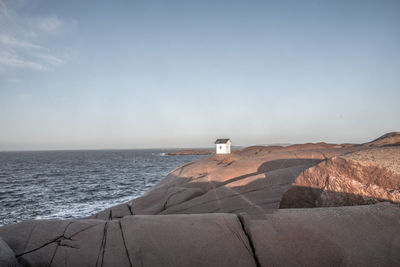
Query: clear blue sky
{"type": "Point", "coordinates": [140, 74]}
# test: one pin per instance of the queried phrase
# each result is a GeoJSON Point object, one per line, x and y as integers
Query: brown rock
{"type": "Point", "coordinates": [362, 177]}
{"type": "Point", "coordinates": [388, 139]}
{"type": "Point", "coordinates": [245, 181]}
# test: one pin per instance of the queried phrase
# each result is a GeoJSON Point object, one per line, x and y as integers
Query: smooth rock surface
{"type": "Point", "coordinates": [340, 236]}
{"type": "Point", "coordinates": [7, 256]}
{"type": "Point", "coordinates": [139, 240]}
{"type": "Point", "coordinates": [249, 180]}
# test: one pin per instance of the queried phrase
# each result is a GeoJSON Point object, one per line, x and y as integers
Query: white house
{"type": "Point", "coordinates": [223, 146]}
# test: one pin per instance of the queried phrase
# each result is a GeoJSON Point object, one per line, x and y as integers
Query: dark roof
{"type": "Point", "coordinates": [222, 141]}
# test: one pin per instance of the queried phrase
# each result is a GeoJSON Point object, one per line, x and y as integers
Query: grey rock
{"type": "Point", "coordinates": [7, 257]}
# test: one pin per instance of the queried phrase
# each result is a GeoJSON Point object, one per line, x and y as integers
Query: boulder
{"type": "Point", "coordinates": [359, 178]}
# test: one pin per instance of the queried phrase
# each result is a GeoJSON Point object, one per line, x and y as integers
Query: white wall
{"type": "Point", "coordinates": [223, 148]}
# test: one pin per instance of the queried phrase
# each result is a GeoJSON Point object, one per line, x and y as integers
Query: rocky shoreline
{"type": "Point", "coordinates": [191, 152]}
{"type": "Point", "coordinates": [300, 205]}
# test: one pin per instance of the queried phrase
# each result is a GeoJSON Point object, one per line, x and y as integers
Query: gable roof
{"type": "Point", "coordinates": [222, 141]}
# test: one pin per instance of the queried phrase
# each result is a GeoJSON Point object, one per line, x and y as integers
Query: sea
{"type": "Point", "coordinates": [73, 184]}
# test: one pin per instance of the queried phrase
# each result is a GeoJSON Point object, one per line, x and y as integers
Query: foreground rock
{"type": "Point", "coordinates": [7, 257]}
{"type": "Point", "coordinates": [142, 240]}
{"type": "Point", "coordinates": [341, 236]}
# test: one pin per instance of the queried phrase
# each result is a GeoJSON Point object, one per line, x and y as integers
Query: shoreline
{"type": "Point", "coordinates": [253, 207]}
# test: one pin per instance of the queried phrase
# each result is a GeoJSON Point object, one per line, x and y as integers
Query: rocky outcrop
{"type": "Point", "coordinates": [191, 152]}
{"type": "Point", "coordinates": [251, 180]}
{"type": "Point", "coordinates": [340, 236]}
{"type": "Point", "coordinates": [140, 240]}
{"type": "Point", "coordinates": [389, 139]}
{"type": "Point", "coordinates": [358, 178]}
{"type": "Point", "coordinates": [257, 179]}
{"type": "Point", "coordinates": [224, 211]}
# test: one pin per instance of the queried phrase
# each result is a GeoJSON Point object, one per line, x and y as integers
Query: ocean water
{"type": "Point", "coordinates": [72, 184]}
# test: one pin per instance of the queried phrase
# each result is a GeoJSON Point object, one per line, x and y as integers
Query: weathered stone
{"type": "Point", "coordinates": [252, 183]}
{"type": "Point", "coordinates": [363, 177]}
{"type": "Point", "coordinates": [82, 247]}
{"type": "Point", "coordinates": [186, 240]}
{"type": "Point", "coordinates": [386, 140]}
{"type": "Point", "coordinates": [31, 235]}
{"type": "Point", "coordinates": [7, 256]}
{"type": "Point", "coordinates": [341, 236]}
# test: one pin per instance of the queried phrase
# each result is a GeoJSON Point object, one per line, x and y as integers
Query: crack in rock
{"type": "Point", "coordinates": [124, 243]}
{"type": "Point", "coordinates": [253, 250]}
{"type": "Point", "coordinates": [57, 240]}
{"type": "Point", "coordinates": [103, 245]}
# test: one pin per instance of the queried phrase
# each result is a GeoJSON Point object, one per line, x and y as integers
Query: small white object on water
{"type": "Point", "coordinates": [38, 217]}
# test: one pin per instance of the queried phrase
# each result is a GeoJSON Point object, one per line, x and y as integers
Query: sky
{"type": "Point", "coordinates": [163, 74]}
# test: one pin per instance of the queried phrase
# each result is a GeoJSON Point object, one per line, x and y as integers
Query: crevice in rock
{"type": "Point", "coordinates": [124, 243]}
{"type": "Point", "coordinates": [323, 154]}
{"type": "Point", "coordinates": [55, 251]}
{"type": "Point", "coordinates": [80, 231]}
{"type": "Point", "coordinates": [229, 163]}
{"type": "Point", "coordinates": [239, 237]}
{"type": "Point", "coordinates": [57, 240]}
{"type": "Point", "coordinates": [242, 224]}
{"type": "Point", "coordinates": [42, 246]}
{"type": "Point", "coordinates": [29, 238]}
{"type": "Point", "coordinates": [130, 208]}
{"type": "Point", "coordinates": [168, 197]}
{"type": "Point", "coordinates": [103, 245]}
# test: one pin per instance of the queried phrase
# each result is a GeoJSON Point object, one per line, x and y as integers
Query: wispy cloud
{"type": "Point", "coordinates": [10, 41]}
{"type": "Point", "coordinates": [11, 60]}
{"type": "Point", "coordinates": [26, 41]}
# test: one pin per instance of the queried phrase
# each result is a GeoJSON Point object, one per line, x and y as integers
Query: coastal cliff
{"type": "Point", "coordinates": [306, 205]}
